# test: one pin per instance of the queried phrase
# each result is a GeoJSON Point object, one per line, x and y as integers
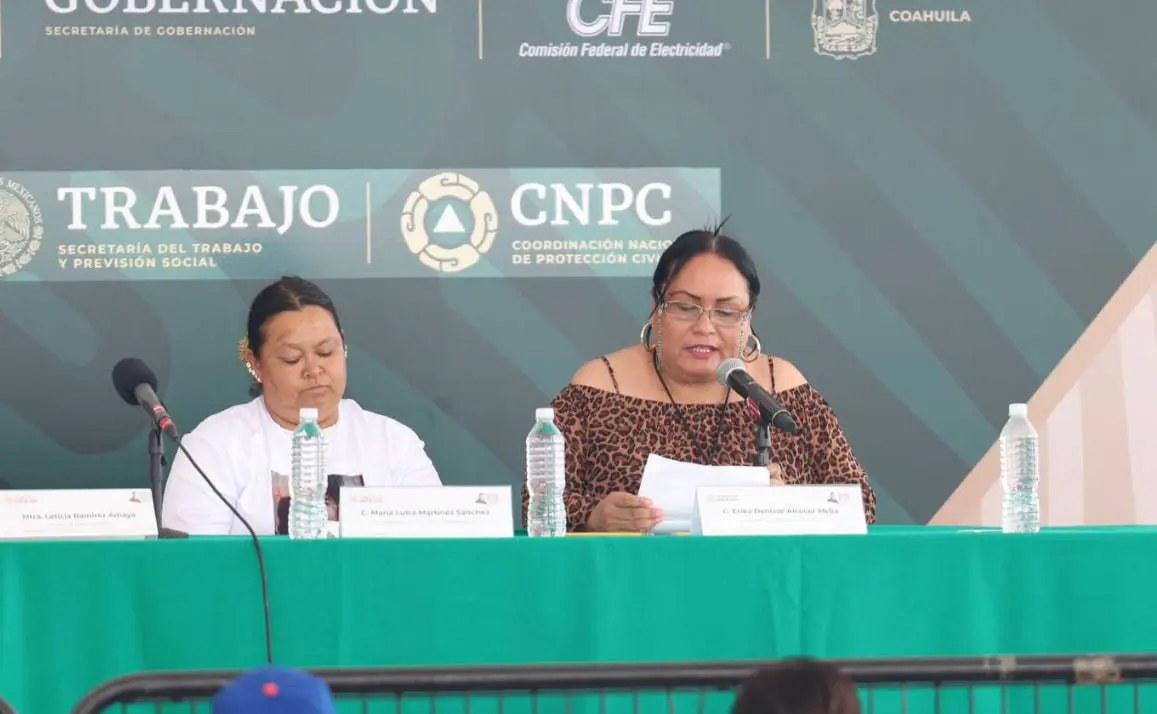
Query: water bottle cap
{"type": "Point", "coordinates": [306, 414]}
{"type": "Point", "coordinates": [1018, 410]}
{"type": "Point", "coordinates": [544, 414]}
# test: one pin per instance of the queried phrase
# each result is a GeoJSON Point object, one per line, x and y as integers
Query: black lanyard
{"type": "Point", "coordinates": [699, 452]}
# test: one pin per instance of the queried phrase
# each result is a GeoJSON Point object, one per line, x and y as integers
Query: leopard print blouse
{"type": "Point", "coordinates": [610, 435]}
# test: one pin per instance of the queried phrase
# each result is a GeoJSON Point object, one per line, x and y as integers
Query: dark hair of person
{"type": "Point", "coordinates": [288, 294]}
{"type": "Point", "coordinates": [799, 686]}
{"type": "Point", "coordinates": [700, 242]}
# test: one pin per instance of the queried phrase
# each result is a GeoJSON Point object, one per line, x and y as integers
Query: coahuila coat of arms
{"type": "Point", "coordinates": [845, 29]}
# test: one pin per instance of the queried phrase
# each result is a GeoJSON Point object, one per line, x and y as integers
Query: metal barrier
{"type": "Point", "coordinates": [5, 707]}
{"type": "Point", "coordinates": [1106, 684]}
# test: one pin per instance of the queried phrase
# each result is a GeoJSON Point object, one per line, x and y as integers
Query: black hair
{"type": "Point", "coordinates": [700, 242]}
{"type": "Point", "coordinates": [797, 686]}
{"type": "Point", "coordinates": [288, 294]}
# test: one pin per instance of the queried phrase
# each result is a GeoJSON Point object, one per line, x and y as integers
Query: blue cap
{"type": "Point", "coordinates": [275, 690]}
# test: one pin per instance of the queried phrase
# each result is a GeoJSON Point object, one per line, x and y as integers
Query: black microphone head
{"type": "Point", "coordinates": [726, 368]}
{"type": "Point", "coordinates": [130, 373]}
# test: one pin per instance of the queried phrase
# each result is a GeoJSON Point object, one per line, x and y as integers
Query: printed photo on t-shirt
{"type": "Point", "coordinates": [282, 500]}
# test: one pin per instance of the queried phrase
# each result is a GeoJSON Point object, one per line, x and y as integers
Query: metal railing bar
{"type": "Point", "coordinates": [1071, 669]}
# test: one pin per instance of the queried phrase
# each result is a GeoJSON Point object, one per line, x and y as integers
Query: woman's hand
{"type": "Point", "coordinates": [624, 512]}
{"type": "Point", "coordinates": [776, 472]}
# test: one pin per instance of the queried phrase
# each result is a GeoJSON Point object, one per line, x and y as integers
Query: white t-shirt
{"type": "Point", "coordinates": [247, 456]}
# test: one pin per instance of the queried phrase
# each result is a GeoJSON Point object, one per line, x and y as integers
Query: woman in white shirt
{"type": "Point", "coordinates": [295, 352]}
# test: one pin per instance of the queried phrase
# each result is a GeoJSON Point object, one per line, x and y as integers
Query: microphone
{"type": "Point", "coordinates": [136, 384]}
{"type": "Point", "coordinates": [732, 374]}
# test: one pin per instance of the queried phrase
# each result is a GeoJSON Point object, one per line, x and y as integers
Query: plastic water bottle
{"type": "Point", "coordinates": [545, 477]}
{"type": "Point", "coordinates": [1019, 472]}
{"type": "Point", "coordinates": [307, 482]}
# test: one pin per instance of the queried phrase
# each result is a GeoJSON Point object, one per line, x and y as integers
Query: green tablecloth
{"type": "Point", "coordinates": [73, 614]}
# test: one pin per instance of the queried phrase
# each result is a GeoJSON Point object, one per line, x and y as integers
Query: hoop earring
{"type": "Point", "coordinates": [645, 336]}
{"type": "Point", "coordinates": [750, 353]}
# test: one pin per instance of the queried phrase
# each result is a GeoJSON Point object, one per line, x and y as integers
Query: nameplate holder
{"type": "Point", "coordinates": [779, 510]}
{"type": "Point", "coordinates": [77, 514]}
{"type": "Point", "coordinates": [426, 512]}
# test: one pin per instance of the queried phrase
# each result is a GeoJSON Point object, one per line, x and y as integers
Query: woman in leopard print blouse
{"type": "Point", "coordinates": [662, 397]}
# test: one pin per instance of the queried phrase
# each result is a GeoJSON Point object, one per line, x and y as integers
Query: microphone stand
{"type": "Point", "coordinates": [157, 481]}
{"type": "Point", "coordinates": [763, 441]}
{"type": "Point", "coordinates": [157, 469]}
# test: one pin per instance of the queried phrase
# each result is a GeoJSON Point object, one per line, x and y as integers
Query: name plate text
{"type": "Point", "coordinates": [77, 514]}
{"type": "Point", "coordinates": [780, 510]}
{"type": "Point", "coordinates": [426, 512]}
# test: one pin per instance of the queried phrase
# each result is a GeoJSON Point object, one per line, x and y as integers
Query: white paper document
{"type": "Point", "coordinates": [671, 487]}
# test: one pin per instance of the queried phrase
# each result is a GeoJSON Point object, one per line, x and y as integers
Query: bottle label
{"type": "Point", "coordinates": [283, 499]}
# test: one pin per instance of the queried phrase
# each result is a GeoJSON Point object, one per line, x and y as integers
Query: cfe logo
{"type": "Point", "coordinates": [615, 29]}
{"type": "Point", "coordinates": [442, 192]}
{"type": "Point", "coordinates": [21, 227]}
{"type": "Point", "coordinates": [611, 23]}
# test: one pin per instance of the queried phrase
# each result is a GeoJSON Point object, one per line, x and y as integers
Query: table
{"type": "Point", "coordinates": [73, 614]}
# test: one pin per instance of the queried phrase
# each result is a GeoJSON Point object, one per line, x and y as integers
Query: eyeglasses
{"type": "Point", "coordinates": [690, 312]}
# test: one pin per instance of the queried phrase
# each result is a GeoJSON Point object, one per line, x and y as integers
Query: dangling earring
{"type": "Point", "coordinates": [243, 355]}
{"type": "Point", "coordinates": [659, 347]}
{"type": "Point", "coordinates": [649, 330]}
{"type": "Point", "coordinates": [751, 352]}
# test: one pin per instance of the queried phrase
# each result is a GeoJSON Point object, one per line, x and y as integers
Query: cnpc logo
{"type": "Point", "coordinates": [449, 185]}
{"type": "Point", "coordinates": [531, 205]}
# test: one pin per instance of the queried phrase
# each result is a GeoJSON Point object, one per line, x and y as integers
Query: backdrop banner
{"type": "Point", "coordinates": [948, 201]}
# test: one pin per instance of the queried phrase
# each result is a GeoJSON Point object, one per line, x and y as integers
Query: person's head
{"type": "Point", "coordinates": [801, 686]}
{"type": "Point", "coordinates": [295, 350]}
{"type": "Point", "coordinates": [275, 690]}
{"type": "Point", "coordinates": [704, 290]}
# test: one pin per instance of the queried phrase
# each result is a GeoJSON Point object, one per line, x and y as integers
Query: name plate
{"type": "Point", "coordinates": [780, 510]}
{"type": "Point", "coordinates": [77, 514]}
{"type": "Point", "coordinates": [426, 512]}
